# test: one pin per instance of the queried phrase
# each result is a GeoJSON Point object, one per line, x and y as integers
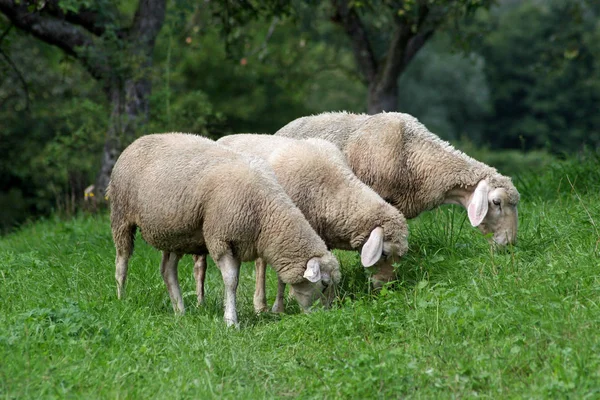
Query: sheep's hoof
{"type": "Point", "coordinates": [232, 323]}
{"type": "Point", "coordinates": [261, 309]}
{"type": "Point", "coordinates": [277, 308]}
{"type": "Point", "coordinates": [179, 311]}
{"type": "Point", "coordinates": [260, 306]}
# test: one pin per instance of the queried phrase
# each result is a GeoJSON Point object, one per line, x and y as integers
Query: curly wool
{"type": "Point", "coordinates": [410, 167]}
{"type": "Point", "coordinates": [313, 172]}
{"type": "Point", "coordinates": [190, 195]}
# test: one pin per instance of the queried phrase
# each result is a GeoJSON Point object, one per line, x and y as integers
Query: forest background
{"type": "Point", "coordinates": [514, 83]}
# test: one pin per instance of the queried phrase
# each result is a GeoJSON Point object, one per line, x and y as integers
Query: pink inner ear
{"type": "Point", "coordinates": [472, 213]}
{"type": "Point", "coordinates": [372, 249]}
{"type": "Point", "coordinates": [478, 206]}
{"type": "Point", "coordinates": [313, 270]}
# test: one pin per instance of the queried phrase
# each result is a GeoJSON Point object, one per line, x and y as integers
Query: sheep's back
{"type": "Point", "coordinates": [167, 183]}
{"type": "Point", "coordinates": [336, 127]}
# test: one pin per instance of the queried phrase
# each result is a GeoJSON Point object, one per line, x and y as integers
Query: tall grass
{"type": "Point", "coordinates": [462, 320]}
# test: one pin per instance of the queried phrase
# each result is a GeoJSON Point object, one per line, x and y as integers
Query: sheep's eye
{"type": "Point", "coordinates": [496, 202]}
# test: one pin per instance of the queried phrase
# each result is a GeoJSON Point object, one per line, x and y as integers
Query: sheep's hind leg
{"type": "Point", "coordinates": [123, 238]}
{"type": "Point", "coordinates": [168, 269]}
{"type": "Point", "coordinates": [260, 298]}
{"type": "Point", "coordinates": [121, 263]}
{"type": "Point", "coordinates": [230, 270]}
{"type": "Point", "coordinates": [199, 276]}
{"type": "Point", "coordinates": [278, 306]}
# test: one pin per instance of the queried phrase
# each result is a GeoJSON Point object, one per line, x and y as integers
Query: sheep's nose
{"type": "Point", "coordinates": [505, 238]}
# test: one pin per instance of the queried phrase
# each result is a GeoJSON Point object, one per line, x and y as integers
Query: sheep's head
{"type": "Point", "coordinates": [493, 209]}
{"type": "Point", "coordinates": [382, 246]}
{"type": "Point", "coordinates": [320, 278]}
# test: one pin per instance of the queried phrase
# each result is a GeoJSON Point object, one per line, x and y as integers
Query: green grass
{"type": "Point", "coordinates": [461, 321]}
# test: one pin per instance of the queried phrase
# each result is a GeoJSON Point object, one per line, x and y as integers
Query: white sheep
{"type": "Point", "coordinates": [415, 170]}
{"type": "Point", "coordinates": [190, 195]}
{"type": "Point", "coordinates": [345, 212]}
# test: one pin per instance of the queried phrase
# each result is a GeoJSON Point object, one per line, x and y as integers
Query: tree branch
{"type": "Point", "coordinates": [363, 52]}
{"type": "Point", "coordinates": [86, 18]}
{"type": "Point", "coordinates": [393, 63]}
{"type": "Point", "coordinates": [404, 45]}
{"type": "Point", "coordinates": [54, 31]}
{"type": "Point", "coordinates": [415, 44]}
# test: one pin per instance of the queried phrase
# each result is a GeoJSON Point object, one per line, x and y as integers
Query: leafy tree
{"type": "Point", "coordinates": [447, 90]}
{"type": "Point", "coordinates": [386, 35]}
{"type": "Point", "coordinates": [271, 70]}
{"type": "Point", "coordinates": [115, 49]}
{"type": "Point", "coordinates": [52, 129]}
{"type": "Point", "coordinates": [543, 72]}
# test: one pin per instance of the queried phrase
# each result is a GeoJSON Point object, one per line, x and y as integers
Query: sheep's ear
{"type": "Point", "coordinates": [373, 248]}
{"type": "Point", "coordinates": [313, 270]}
{"type": "Point", "coordinates": [478, 206]}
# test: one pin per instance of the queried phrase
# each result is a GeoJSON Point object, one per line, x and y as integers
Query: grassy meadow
{"type": "Point", "coordinates": [461, 321]}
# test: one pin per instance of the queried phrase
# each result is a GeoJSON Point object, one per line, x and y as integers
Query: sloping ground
{"type": "Point", "coordinates": [461, 321]}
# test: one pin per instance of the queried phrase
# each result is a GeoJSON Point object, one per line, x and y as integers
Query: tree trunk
{"type": "Point", "coordinates": [83, 33]}
{"type": "Point", "coordinates": [382, 99]}
{"type": "Point", "coordinates": [129, 101]}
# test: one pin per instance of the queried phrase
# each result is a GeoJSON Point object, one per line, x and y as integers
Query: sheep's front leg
{"type": "Point", "coordinates": [168, 270]}
{"type": "Point", "coordinates": [199, 275]}
{"type": "Point", "coordinates": [260, 298]}
{"type": "Point", "coordinates": [230, 270]}
{"type": "Point", "coordinates": [278, 305]}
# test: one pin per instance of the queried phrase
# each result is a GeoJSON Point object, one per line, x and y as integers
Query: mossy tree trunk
{"type": "Point", "coordinates": [118, 56]}
{"type": "Point", "coordinates": [414, 23]}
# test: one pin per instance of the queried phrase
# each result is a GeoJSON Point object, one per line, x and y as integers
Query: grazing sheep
{"type": "Point", "coordinates": [190, 195]}
{"type": "Point", "coordinates": [415, 170]}
{"type": "Point", "coordinates": [345, 212]}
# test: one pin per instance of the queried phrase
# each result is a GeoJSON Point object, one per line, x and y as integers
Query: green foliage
{"type": "Point", "coordinates": [51, 149]}
{"type": "Point", "coordinates": [579, 174]}
{"type": "Point", "coordinates": [281, 73]}
{"type": "Point", "coordinates": [74, 5]}
{"type": "Point", "coordinates": [544, 76]}
{"type": "Point", "coordinates": [510, 162]}
{"type": "Point", "coordinates": [461, 321]}
{"type": "Point", "coordinates": [447, 91]}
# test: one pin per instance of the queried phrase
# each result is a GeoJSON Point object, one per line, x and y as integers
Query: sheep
{"type": "Point", "coordinates": [415, 170]}
{"type": "Point", "coordinates": [345, 212]}
{"type": "Point", "coordinates": [190, 195]}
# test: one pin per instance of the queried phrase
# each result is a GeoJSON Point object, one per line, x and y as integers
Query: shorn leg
{"type": "Point", "coordinates": [260, 298]}
{"type": "Point", "coordinates": [123, 237]}
{"type": "Point", "coordinates": [168, 269]}
{"type": "Point", "coordinates": [230, 270]}
{"type": "Point", "coordinates": [278, 306]}
{"type": "Point", "coordinates": [199, 274]}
